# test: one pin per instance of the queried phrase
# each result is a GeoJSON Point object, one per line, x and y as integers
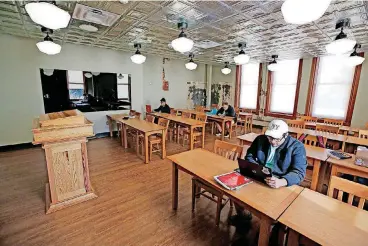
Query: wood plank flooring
{"type": "Point", "coordinates": [133, 205]}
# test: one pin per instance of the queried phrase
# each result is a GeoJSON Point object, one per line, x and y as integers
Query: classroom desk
{"type": "Point", "coordinates": [264, 202]}
{"type": "Point", "coordinates": [221, 119]}
{"type": "Point", "coordinates": [261, 123]}
{"type": "Point", "coordinates": [344, 129]}
{"type": "Point", "coordinates": [113, 118]}
{"type": "Point", "coordinates": [325, 220]}
{"type": "Point", "coordinates": [190, 123]}
{"type": "Point", "coordinates": [147, 128]}
{"type": "Point", "coordinates": [316, 154]}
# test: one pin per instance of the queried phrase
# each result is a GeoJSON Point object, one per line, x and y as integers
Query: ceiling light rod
{"type": "Point", "coordinates": [342, 24]}
{"type": "Point", "coordinates": [274, 57]}
{"type": "Point", "coordinates": [47, 31]}
{"type": "Point", "coordinates": [191, 56]}
{"type": "Point", "coordinates": [137, 46]}
{"type": "Point", "coordinates": [242, 46]}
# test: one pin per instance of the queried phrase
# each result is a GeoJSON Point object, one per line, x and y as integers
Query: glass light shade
{"type": "Point", "coordinates": [48, 15]}
{"type": "Point", "coordinates": [354, 60]}
{"type": "Point", "coordinates": [191, 65]}
{"type": "Point", "coordinates": [88, 75]}
{"type": "Point", "coordinates": [182, 44]}
{"type": "Point", "coordinates": [303, 11]}
{"type": "Point", "coordinates": [241, 59]}
{"type": "Point", "coordinates": [138, 58]}
{"type": "Point", "coordinates": [226, 70]}
{"type": "Point", "coordinates": [48, 72]}
{"type": "Point", "coordinates": [49, 47]}
{"type": "Point", "coordinates": [95, 73]}
{"type": "Point", "coordinates": [340, 46]}
{"type": "Point", "coordinates": [272, 67]}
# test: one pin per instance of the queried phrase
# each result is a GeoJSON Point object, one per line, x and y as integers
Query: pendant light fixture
{"type": "Point", "coordinates": [303, 11]}
{"type": "Point", "coordinates": [138, 58]}
{"type": "Point", "coordinates": [354, 59]}
{"type": "Point", "coordinates": [191, 65]}
{"type": "Point", "coordinates": [273, 66]}
{"type": "Point", "coordinates": [242, 58]}
{"type": "Point", "coordinates": [182, 44]}
{"type": "Point", "coordinates": [226, 70]}
{"type": "Point", "coordinates": [341, 44]}
{"type": "Point", "coordinates": [48, 72]}
{"type": "Point", "coordinates": [47, 14]}
{"type": "Point", "coordinates": [48, 46]}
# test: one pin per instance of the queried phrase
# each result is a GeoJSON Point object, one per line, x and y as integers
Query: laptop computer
{"type": "Point", "coordinates": [254, 171]}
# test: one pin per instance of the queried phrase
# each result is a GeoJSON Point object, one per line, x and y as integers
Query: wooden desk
{"type": "Point", "coordinates": [261, 123]}
{"type": "Point", "coordinates": [114, 118]}
{"type": "Point", "coordinates": [316, 154]}
{"type": "Point", "coordinates": [266, 203]}
{"type": "Point", "coordinates": [344, 129]}
{"type": "Point", "coordinates": [190, 123]}
{"type": "Point", "coordinates": [147, 128]}
{"type": "Point", "coordinates": [325, 220]}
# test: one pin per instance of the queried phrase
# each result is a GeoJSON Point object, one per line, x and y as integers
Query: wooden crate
{"type": "Point", "coordinates": [68, 117]}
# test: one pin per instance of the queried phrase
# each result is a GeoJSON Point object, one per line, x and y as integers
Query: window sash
{"type": "Point", "coordinates": [249, 86]}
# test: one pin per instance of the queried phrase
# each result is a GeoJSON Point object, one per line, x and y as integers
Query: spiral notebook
{"type": "Point", "coordinates": [232, 180]}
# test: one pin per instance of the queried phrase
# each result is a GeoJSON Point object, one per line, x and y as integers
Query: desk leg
{"type": "Point", "coordinates": [123, 136]}
{"type": "Point", "coordinates": [203, 132]}
{"type": "Point", "coordinates": [137, 142]}
{"type": "Point", "coordinates": [177, 133]}
{"type": "Point", "coordinates": [146, 148]}
{"type": "Point", "coordinates": [109, 121]}
{"type": "Point", "coordinates": [174, 186]}
{"type": "Point", "coordinates": [333, 173]}
{"type": "Point", "coordinates": [315, 176]}
{"type": "Point", "coordinates": [163, 154]}
{"type": "Point", "coordinates": [293, 238]}
{"type": "Point", "coordinates": [223, 130]}
{"type": "Point", "coordinates": [191, 138]}
{"type": "Point", "coordinates": [264, 231]}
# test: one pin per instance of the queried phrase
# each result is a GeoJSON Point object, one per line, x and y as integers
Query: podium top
{"type": "Point", "coordinates": [63, 118]}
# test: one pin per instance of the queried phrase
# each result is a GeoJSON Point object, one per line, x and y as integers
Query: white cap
{"type": "Point", "coordinates": [277, 128]}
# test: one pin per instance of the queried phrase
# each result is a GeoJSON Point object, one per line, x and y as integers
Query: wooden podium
{"type": "Point", "coordinates": [63, 137]}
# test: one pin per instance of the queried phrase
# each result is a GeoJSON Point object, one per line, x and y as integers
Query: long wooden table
{"type": "Point", "coordinates": [344, 129]}
{"type": "Point", "coordinates": [325, 220]}
{"type": "Point", "coordinates": [266, 203]}
{"type": "Point", "coordinates": [113, 119]}
{"type": "Point", "coordinates": [221, 119]}
{"type": "Point", "coordinates": [190, 123]}
{"type": "Point", "coordinates": [147, 129]}
{"type": "Point", "coordinates": [316, 154]}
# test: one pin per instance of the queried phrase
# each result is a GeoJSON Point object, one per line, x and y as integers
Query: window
{"type": "Point", "coordinates": [333, 84]}
{"type": "Point", "coordinates": [75, 85]}
{"type": "Point", "coordinates": [283, 89]}
{"type": "Point", "coordinates": [250, 84]}
{"type": "Point", "coordinates": [123, 86]}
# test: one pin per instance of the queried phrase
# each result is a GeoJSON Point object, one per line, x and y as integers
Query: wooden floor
{"type": "Point", "coordinates": [133, 207]}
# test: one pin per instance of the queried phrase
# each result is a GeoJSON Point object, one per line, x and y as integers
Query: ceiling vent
{"type": "Point", "coordinates": [92, 15]}
{"type": "Point", "coordinates": [206, 44]}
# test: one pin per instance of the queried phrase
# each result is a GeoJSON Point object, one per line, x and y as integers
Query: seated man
{"type": "Point", "coordinates": [164, 108]}
{"type": "Point", "coordinates": [282, 153]}
{"type": "Point", "coordinates": [225, 110]}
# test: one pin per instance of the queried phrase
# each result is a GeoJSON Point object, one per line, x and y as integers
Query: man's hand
{"type": "Point", "coordinates": [274, 182]}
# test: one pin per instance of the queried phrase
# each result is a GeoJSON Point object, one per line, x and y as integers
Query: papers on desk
{"type": "Point", "coordinates": [232, 180]}
{"type": "Point", "coordinates": [339, 155]}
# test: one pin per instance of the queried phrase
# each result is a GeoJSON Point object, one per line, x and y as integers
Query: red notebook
{"type": "Point", "coordinates": [232, 180]}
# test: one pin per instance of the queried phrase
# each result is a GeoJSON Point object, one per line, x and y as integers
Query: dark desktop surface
{"type": "Point", "coordinates": [100, 105]}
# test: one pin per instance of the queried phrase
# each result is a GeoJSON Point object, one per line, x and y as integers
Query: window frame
{"type": "Point", "coordinates": [73, 83]}
{"type": "Point", "coordinates": [239, 74]}
{"type": "Point", "coordinates": [313, 84]}
{"type": "Point", "coordinates": [296, 99]}
{"type": "Point", "coordinates": [129, 89]}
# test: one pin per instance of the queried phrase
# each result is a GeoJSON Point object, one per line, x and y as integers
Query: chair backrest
{"type": "Point", "coordinates": [131, 112]}
{"type": "Point", "coordinates": [309, 119]}
{"type": "Point", "coordinates": [148, 108]}
{"type": "Point", "coordinates": [363, 134]}
{"type": "Point", "coordinates": [312, 140]}
{"type": "Point", "coordinates": [199, 108]}
{"type": "Point", "coordinates": [237, 110]}
{"type": "Point", "coordinates": [163, 122]}
{"type": "Point", "coordinates": [327, 128]}
{"type": "Point", "coordinates": [228, 150]}
{"type": "Point", "coordinates": [355, 190]}
{"type": "Point", "coordinates": [137, 115]}
{"type": "Point", "coordinates": [201, 117]}
{"type": "Point", "coordinates": [333, 122]}
{"type": "Point", "coordinates": [173, 112]}
{"type": "Point", "coordinates": [296, 123]}
{"type": "Point", "coordinates": [150, 118]}
{"type": "Point", "coordinates": [186, 115]}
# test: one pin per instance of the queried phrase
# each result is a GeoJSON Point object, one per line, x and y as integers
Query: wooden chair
{"type": "Point", "coordinates": [245, 123]}
{"type": "Point", "coordinates": [296, 123]}
{"type": "Point", "coordinates": [155, 141]}
{"type": "Point", "coordinates": [131, 112]}
{"type": "Point", "coordinates": [363, 134]}
{"type": "Point", "coordinates": [229, 151]}
{"type": "Point", "coordinates": [199, 108]}
{"type": "Point", "coordinates": [186, 115]}
{"type": "Point", "coordinates": [173, 112]}
{"type": "Point", "coordinates": [196, 133]}
{"type": "Point", "coordinates": [137, 115]}
{"type": "Point", "coordinates": [333, 122]}
{"type": "Point", "coordinates": [150, 118]}
{"type": "Point", "coordinates": [356, 191]}
{"type": "Point", "coordinates": [328, 128]}
{"type": "Point", "coordinates": [309, 119]}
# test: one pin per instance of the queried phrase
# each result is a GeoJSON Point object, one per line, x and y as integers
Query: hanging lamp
{"type": "Point", "coordinates": [341, 44]}
{"type": "Point", "coordinates": [242, 58]}
{"type": "Point", "coordinates": [273, 66]}
{"type": "Point", "coordinates": [191, 65]}
{"type": "Point", "coordinates": [138, 58]}
{"type": "Point", "coordinates": [303, 11]}
{"type": "Point", "coordinates": [48, 46]}
{"type": "Point", "coordinates": [226, 70]}
{"type": "Point", "coordinates": [182, 44]}
{"type": "Point", "coordinates": [354, 59]}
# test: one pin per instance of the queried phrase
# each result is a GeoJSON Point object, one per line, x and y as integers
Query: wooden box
{"type": "Point", "coordinates": [68, 117]}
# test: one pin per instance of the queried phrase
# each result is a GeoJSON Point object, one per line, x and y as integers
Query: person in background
{"type": "Point", "coordinates": [226, 110]}
{"type": "Point", "coordinates": [283, 154]}
{"type": "Point", "coordinates": [164, 108]}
